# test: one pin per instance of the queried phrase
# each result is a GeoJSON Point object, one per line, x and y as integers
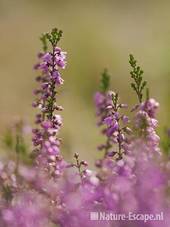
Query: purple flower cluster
{"type": "Point", "coordinates": [50, 191]}
{"type": "Point", "coordinates": [45, 136]}
{"type": "Point", "coordinates": [145, 124]}
{"type": "Point", "coordinates": [116, 130]}
{"type": "Point", "coordinates": [51, 62]}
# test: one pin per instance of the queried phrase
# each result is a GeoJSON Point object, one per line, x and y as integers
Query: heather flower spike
{"type": "Point", "coordinates": [45, 140]}
{"type": "Point", "coordinates": [136, 74]}
{"type": "Point", "coordinates": [108, 113]}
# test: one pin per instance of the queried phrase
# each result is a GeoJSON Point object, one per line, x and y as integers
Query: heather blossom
{"type": "Point", "coordinates": [109, 115]}
{"type": "Point", "coordinates": [47, 190]}
{"type": "Point", "coordinates": [45, 137]}
{"type": "Point", "coordinates": [145, 124]}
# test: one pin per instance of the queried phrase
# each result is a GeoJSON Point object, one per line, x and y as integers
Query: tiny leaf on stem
{"type": "Point", "coordinates": [105, 81]}
{"type": "Point", "coordinates": [136, 74]}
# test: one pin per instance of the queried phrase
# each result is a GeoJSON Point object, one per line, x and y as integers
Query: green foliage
{"type": "Point", "coordinates": [44, 42]}
{"type": "Point", "coordinates": [166, 142]}
{"type": "Point", "coordinates": [53, 37]}
{"type": "Point", "coordinates": [20, 146]}
{"type": "Point", "coordinates": [13, 140]}
{"type": "Point", "coordinates": [105, 81]}
{"type": "Point", "coordinates": [7, 193]}
{"type": "Point", "coordinates": [147, 94]}
{"type": "Point", "coordinates": [8, 139]}
{"type": "Point", "coordinates": [136, 74]}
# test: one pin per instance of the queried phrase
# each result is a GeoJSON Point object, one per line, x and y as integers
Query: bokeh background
{"type": "Point", "coordinates": [98, 34]}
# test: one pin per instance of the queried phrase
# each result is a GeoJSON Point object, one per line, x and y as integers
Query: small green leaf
{"type": "Point", "coordinates": [136, 74]}
{"type": "Point", "coordinates": [7, 193]}
{"type": "Point", "coordinates": [53, 37]}
{"type": "Point", "coordinates": [105, 81]}
{"type": "Point", "coordinates": [8, 139]}
{"type": "Point", "coordinates": [43, 39]}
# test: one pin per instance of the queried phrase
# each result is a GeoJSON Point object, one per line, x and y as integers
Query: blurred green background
{"type": "Point", "coordinates": [97, 34]}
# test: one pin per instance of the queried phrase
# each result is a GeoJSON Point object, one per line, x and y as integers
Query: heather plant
{"type": "Point", "coordinates": [45, 140]}
{"type": "Point", "coordinates": [132, 177]}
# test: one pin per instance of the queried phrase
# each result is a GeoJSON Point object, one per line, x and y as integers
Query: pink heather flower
{"type": "Point", "coordinates": [146, 124]}
{"type": "Point", "coordinates": [113, 128]}
{"type": "Point", "coordinates": [60, 57]}
{"type": "Point", "coordinates": [53, 150]}
{"type": "Point", "coordinates": [57, 77]}
{"type": "Point", "coordinates": [29, 210]}
{"type": "Point", "coordinates": [46, 124]}
{"type": "Point", "coordinates": [109, 120]}
{"type": "Point", "coordinates": [150, 106]}
{"type": "Point", "coordinates": [60, 63]}
{"type": "Point", "coordinates": [47, 58]}
{"type": "Point", "coordinates": [58, 119]}
{"type": "Point", "coordinates": [99, 98]}
{"type": "Point", "coordinates": [125, 119]}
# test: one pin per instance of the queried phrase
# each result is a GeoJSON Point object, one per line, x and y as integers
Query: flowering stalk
{"type": "Point", "coordinates": [101, 102]}
{"type": "Point", "coordinates": [114, 120]}
{"type": "Point", "coordinates": [108, 107]}
{"type": "Point", "coordinates": [145, 122]}
{"type": "Point", "coordinates": [79, 164]}
{"type": "Point", "coordinates": [45, 138]}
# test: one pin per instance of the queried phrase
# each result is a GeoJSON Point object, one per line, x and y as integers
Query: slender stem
{"type": "Point", "coordinates": [17, 151]}
{"type": "Point", "coordinates": [78, 165]}
{"type": "Point", "coordinates": [107, 147]}
{"type": "Point", "coordinates": [52, 100]}
{"type": "Point", "coordinates": [116, 108]}
{"type": "Point", "coordinates": [119, 144]}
